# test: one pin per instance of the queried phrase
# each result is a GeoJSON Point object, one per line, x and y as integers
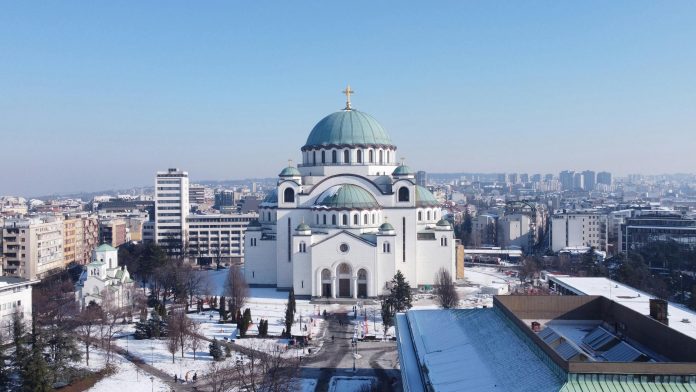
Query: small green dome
{"type": "Point", "coordinates": [303, 227]}
{"type": "Point", "coordinates": [347, 196]}
{"type": "Point", "coordinates": [443, 222]}
{"type": "Point", "coordinates": [424, 198]}
{"type": "Point", "coordinates": [386, 227]}
{"type": "Point", "coordinates": [403, 170]}
{"type": "Point", "coordinates": [290, 171]}
{"type": "Point", "coordinates": [348, 128]}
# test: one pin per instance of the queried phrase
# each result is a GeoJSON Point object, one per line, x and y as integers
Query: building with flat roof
{"type": "Point", "coordinates": [543, 343]}
{"type": "Point", "coordinates": [214, 238]}
{"type": "Point", "coordinates": [15, 296]}
{"type": "Point", "coordinates": [33, 246]}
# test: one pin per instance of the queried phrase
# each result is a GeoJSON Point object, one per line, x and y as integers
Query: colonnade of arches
{"type": "Point", "coordinates": [343, 281]}
{"type": "Point", "coordinates": [346, 156]}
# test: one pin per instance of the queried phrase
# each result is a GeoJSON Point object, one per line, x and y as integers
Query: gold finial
{"type": "Point", "coordinates": [348, 92]}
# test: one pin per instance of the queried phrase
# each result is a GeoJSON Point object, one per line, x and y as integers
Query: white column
{"type": "Point", "coordinates": [355, 287]}
{"type": "Point", "coordinates": [333, 286]}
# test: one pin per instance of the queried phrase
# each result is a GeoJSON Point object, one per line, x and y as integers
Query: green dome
{"type": "Point", "coordinates": [424, 198]}
{"type": "Point", "coordinates": [347, 196]}
{"type": "Point", "coordinates": [348, 128]}
{"type": "Point", "coordinates": [386, 227]}
{"type": "Point", "coordinates": [303, 227]}
{"type": "Point", "coordinates": [443, 222]}
{"type": "Point", "coordinates": [290, 171]}
{"type": "Point", "coordinates": [403, 170]}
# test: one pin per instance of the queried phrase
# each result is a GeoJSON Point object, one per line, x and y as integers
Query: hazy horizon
{"type": "Point", "coordinates": [99, 96]}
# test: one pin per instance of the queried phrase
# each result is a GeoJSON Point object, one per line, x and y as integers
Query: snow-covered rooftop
{"type": "Point", "coordinates": [680, 319]}
{"type": "Point", "coordinates": [469, 349]}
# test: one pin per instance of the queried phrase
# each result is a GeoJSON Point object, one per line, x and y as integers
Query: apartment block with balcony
{"type": "Point", "coordinates": [218, 237]}
{"type": "Point", "coordinates": [33, 246]}
{"type": "Point", "coordinates": [171, 209]}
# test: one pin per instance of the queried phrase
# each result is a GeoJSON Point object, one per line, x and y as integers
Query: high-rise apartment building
{"type": "Point", "coordinates": [567, 179]}
{"type": "Point", "coordinates": [588, 180]}
{"type": "Point", "coordinates": [33, 246]}
{"type": "Point", "coordinates": [113, 232]}
{"type": "Point", "coordinates": [421, 178]}
{"type": "Point", "coordinates": [171, 208]}
{"type": "Point", "coordinates": [604, 178]}
{"type": "Point", "coordinates": [577, 229]}
{"type": "Point", "coordinates": [197, 194]}
{"type": "Point", "coordinates": [578, 181]}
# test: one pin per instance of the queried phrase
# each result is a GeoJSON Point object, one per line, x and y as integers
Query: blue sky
{"type": "Point", "coordinates": [98, 95]}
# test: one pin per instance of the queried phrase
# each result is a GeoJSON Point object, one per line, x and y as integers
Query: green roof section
{"type": "Point", "coordinates": [443, 223]}
{"type": "Point", "coordinates": [386, 227]}
{"type": "Point", "coordinates": [303, 227]}
{"type": "Point", "coordinates": [627, 382]}
{"type": "Point", "coordinates": [424, 198]}
{"type": "Point", "coordinates": [347, 196]}
{"type": "Point", "coordinates": [271, 199]}
{"type": "Point", "coordinates": [403, 170]}
{"type": "Point", "coordinates": [290, 171]}
{"type": "Point", "coordinates": [348, 127]}
{"type": "Point", "coordinates": [105, 248]}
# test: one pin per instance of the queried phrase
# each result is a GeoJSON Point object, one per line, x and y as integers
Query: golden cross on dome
{"type": "Point", "coordinates": [348, 92]}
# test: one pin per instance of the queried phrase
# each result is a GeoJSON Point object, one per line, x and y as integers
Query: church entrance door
{"type": "Point", "coordinates": [326, 290]}
{"type": "Point", "coordinates": [362, 290]}
{"type": "Point", "coordinates": [344, 288]}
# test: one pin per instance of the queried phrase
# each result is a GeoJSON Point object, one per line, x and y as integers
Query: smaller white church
{"type": "Point", "coordinates": [104, 281]}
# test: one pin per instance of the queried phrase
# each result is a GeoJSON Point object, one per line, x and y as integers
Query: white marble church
{"type": "Point", "coordinates": [342, 223]}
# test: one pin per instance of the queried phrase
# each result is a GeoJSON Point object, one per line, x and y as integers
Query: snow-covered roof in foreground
{"type": "Point", "coordinates": [631, 298]}
{"type": "Point", "coordinates": [472, 350]}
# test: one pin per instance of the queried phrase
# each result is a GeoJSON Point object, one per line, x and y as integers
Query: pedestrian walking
{"type": "Point", "coordinates": [176, 379]}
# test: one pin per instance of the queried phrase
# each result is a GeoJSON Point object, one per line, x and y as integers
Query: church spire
{"type": "Point", "coordinates": [348, 92]}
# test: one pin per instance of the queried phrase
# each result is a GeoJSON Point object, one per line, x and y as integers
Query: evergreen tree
{"type": "Point", "coordinates": [142, 331]}
{"type": "Point", "coordinates": [4, 370]}
{"type": "Point", "coordinates": [222, 310]}
{"type": "Point", "coordinates": [215, 350]}
{"type": "Point", "coordinates": [228, 351]}
{"type": "Point", "coordinates": [401, 297]}
{"type": "Point", "coordinates": [387, 313]}
{"type": "Point", "coordinates": [36, 376]}
{"type": "Point", "coordinates": [238, 317]}
{"type": "Point", "coordinates": [244, 322]}
{"type": "Point", "coordinates": [290, 313]}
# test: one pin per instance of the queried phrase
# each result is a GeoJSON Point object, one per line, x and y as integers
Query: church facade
{"type": "Point", "coordinates": [345, 220]}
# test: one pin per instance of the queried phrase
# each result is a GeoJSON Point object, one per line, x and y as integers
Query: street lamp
{"type": "Point", "coordinates": [152, 381]}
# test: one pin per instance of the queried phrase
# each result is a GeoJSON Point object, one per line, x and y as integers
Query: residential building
{"type": "Point", "coordinates": [15, 297]}
{"type": "Point", "coordinates": [218, 238]}
{"type": "Point", "coordinates": [80, 236]}
{"type": "Point", "coordinates": [33, 246]}
{"type": "Point", "coordinates": [514, 231]}
{"type": "Point", "coordinates": [172, 207]}
{"type": "Point", "coordinates": [484, 230]}
{"type": "Point", "coordinates": [588, 180]}
{"type": "Point", "coordinates": [604, 178]}
{"type": "Point", "coordinates": [196, 194]}
{"type": "Point", "coordinates": [113, 232]}
{"type": "Point", "coordinates": [577, 228]}
{"type": "Point", "coordinates": [567, 179]}
{"type": "Point", "coordinates": [578, 182]}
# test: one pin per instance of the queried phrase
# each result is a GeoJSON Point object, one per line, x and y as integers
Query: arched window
{"type": "Point", "coordinates": [355, 219]}
{"type": "Point", "coordinates": [303, 247]}
{"type": "Point", "coordinates": [325, 275]}
{"type": "Point", "coordinates": [323, 157]}
{"type": "Point", "coordinates": [324, 219]}
{"type": "Point", "coordinates": [359, 156]}
{"type": "Point", "coordinates": [403, 194]}
{"type": "Point", "coordinates": [333, 220]}
{"type": "Point", "coordinates": [427, 214]}
{"type": "Point", "coordinates": [317, 219]}
{"type": "Point", "coordinates": [289, 195]}
{"type": "Point", "coordinates": [334, 158]}
{"type": "Point", "coordinates": [346, 156]}
{"type": "Point", "coordinates": [373, 218]}
{"type": "Point", "coordinates": [365, 221]}
{"type": "Point", "coordinates": [381, 156]}
{"type": "Point", "coordinates": [443, 241]}
{"type": "Point", "coordinates": [420, 215]}
{"type": "Point", "coordinates": [372, 156]}
{"type": "Point", "coordinates": [386, 248]}
{"type": "Point", "coordinates": [388, 157]}
{"type": "Point", "coordinates": [362, 274]}
{"type": "Point", "coordinates": [345, 219]}
{"type": "Point", "coordinates": [314, 157]}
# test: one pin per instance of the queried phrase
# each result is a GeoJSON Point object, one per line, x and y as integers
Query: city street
{"type": "Point", "coordinates": [374, 359]}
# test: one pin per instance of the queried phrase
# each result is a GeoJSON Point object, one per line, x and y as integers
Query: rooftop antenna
{"type": "Point", "coordinates": [348, 92]}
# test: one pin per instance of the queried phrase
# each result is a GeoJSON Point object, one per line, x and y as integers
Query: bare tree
{"type": "Point", "coordinates": [220, 376]}
{"type": "Point", "coordinates": [236, 289]}
{"type": "Point", "coordinates": [89, 321]}
{"type": "Point", "coordinates": [195, 341]}
{"type": "Point", "coordinates": [445, 292]}
{"type": "Point", "coordinates": [179, 328]}
{"type": "Point", "coordinates": [172, 343]}
{"type": "Point", "coordinates": [109, 327]}
{"type": "Point", "coordinates": [265, 371]}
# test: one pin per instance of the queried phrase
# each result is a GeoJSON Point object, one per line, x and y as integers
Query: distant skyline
{"type": "Point", "coordinates": [97, 96]}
